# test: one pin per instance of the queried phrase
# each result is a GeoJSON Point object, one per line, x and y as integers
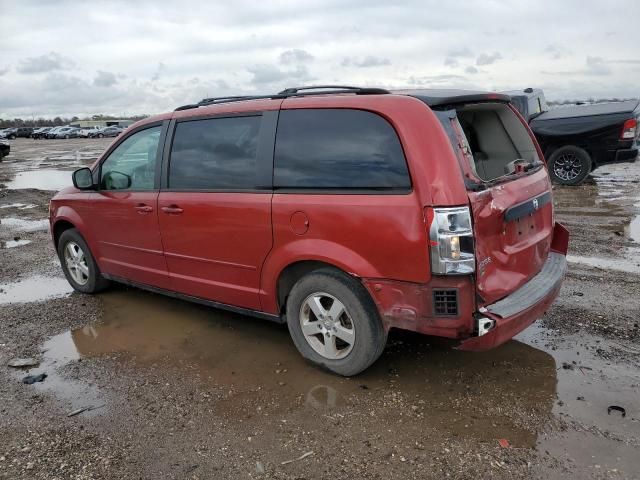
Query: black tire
{"type": "Point", "coordinates": [100, 135]}
{"type": "Point", "coordinates": [569, 165]}
{"type": "Point", "coordinates": [67, 137]}
{"type": "Point", "coordinates": [95, 281]}
{"type": "Point", "coordinates": [370, 336]}
{"type": "Point", "coordinates": [12, 137]}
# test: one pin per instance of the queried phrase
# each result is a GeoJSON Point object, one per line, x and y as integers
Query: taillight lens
{"type": "Point", "coordinates": [451, 240]}
{"type": "Point", "coordinates": [629, 129]}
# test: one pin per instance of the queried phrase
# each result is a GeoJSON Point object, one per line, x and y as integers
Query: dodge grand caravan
{"type": "Point", "coordinates": [341, 211]}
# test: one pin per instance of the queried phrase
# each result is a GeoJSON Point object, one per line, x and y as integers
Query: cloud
{"type": "Point", "coordinates": [597, 66]}
{"type": "Point", "coordinates": [471, 70]}
{"type": "Point", "coordinates": [104, 79]}
{"type": "Point", "coordinates": [295, 56]}
{"type": "Point", "coordinates": [267, 74]}
{"type": "Point", "coordinates": [365, 62]}
{"type": "Point", "coordinates": [460, 53]}
{"type": "Point", "coordinates": [557, 51]}
{"type": "Point", "coordinates": [159, 71]}
{"type": "Point", "coordinates": [486, 59]}
{"type": "Point", "coordinates": [45, 63]}
{"type": "Point", "coordinates": [594, 66]}
{"type": "Point", "coordinates": [451, 62]}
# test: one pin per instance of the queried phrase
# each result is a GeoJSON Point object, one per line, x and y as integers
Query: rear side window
{"type": "Point", "coordinates": [214, 154]}
{"type": "Point", "coordinates": [338, 148]}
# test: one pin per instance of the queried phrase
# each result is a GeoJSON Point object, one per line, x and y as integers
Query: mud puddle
{"type": "Point", "coordinates": [34, 289]}
{"type": "Point", "coordinates": [43, 179]}
{"type": "Point", "coordinates": [597, 441]}
{"type": "Point", "coordinates": [257, 360]}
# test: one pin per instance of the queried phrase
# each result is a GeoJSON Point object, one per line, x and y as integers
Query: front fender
{"type": "Point", "coordinates": [308, 250]}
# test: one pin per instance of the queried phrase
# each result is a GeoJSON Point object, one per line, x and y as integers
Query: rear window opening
{"type": "Point", "coordinates": [496, 139]}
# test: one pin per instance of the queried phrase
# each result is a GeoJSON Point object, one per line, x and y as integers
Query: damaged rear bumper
{"type": "Point", "coordinates": [502, 320]}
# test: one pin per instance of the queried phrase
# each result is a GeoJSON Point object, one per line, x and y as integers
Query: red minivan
{"type": "Point", "coordinates": [341, 211]}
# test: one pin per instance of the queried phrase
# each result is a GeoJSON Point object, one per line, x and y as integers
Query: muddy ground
{"type": "Point", "coordinates": [180, 391]}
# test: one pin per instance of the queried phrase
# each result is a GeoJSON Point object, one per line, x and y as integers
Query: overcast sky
{"type": "Point", "coordinates": [132, 57]}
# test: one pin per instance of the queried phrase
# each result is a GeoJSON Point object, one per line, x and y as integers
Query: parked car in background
{"type": "Point", "coordinates": [2, 134]}
{"type": "Point", "coordinates": [67, 132]}
{"type": "Point", "coordinates": [24, 132]}
{"type": "Point", "coordinates": [52, 133]}
{"type": "Point", "coordinates": [341, 211]}
{"type": "Point", "coordinates": [39, 133]}
{"type": "Point", "coordinates": [577, 139]}
{"type": "Point", "coordinates": [85, 132]}
{"type": "Point", "coordinates": [112, 131]}
{"type": "Point", "coordinates": [5, 148]}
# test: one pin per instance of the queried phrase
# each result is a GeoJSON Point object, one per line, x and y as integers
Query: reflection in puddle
{"type": "Point", "coordinates": [34, 289]}
{"type": "Point", "coordinates": [45, 179]}
{"type": "Point", "coordinates": [14, 243]}
{"type": "Point", "coordinates": [25, 225]}
{"type": "Point", "coordinates": [257, 361]}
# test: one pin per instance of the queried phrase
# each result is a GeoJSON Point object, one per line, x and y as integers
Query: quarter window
{"type": "Point", "coordinates": [132, 165]}
{"type": "Point", "coordinates": [215, 154]}
{"type": "Point", "coordinates": [338, 149]}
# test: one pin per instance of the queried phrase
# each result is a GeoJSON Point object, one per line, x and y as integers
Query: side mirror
{"type": "Point", "coordinates": [83, 179]}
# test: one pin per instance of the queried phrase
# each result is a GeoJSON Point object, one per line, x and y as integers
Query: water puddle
{"type": "Point", "coordinates": [587, 386]}
{"type": "Point", "coordinates": [14, 243]}
{"type": "Point", "coordinates": [24, 224]}
{"type": "Point", "coordinates": [34, 289]}
{"type": "Point", "coordinates": [19, 206]}
{"type": "Point", "coordinates": [628, 264]}
{"type": "Point", "coordinates": [44, 179]}
{"type": "Point", "coordinates": [256, 360]}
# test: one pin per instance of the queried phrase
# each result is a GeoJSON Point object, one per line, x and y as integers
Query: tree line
{"type": "Point", "coordinates": [59, 121]}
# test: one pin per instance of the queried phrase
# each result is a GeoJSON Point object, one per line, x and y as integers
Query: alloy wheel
{"type": "Point", "coordinates": [76, 263]}
{"type": "Point", "coordinates": [567, 167]}
{"type": "Point", "coordinates": [327, 326]}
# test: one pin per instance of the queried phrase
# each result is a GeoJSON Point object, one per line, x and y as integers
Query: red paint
{"type": "Point", "coordinates": [233, 247]}
{"type": "Point", "coordinates": [215, 246]}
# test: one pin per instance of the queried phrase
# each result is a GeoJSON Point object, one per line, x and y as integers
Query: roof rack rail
{"type": "Point", "coordinates": [340, 88]}
{"type": "Point", "coordinates": [288, 92]}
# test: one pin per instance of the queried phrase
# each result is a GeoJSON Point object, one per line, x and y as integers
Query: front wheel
{"type": "Point", "coordinates": [569, 165]}
{"type": "Point", "coordinates": [78, 264]}
{"type": "Point", "coordinates": [334, 323]}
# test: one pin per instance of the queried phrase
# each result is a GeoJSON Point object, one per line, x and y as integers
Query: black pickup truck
{"type": "Point", "coordinates": [579, 138]}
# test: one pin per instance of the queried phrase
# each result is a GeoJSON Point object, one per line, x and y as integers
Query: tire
{"type": "Point", "coordinates": [67, 137]}
{"type": "Point", "coordinates": [569, 165]}
{"type": "Point", "coordinates": [11, 137]}
{"type": "Point", "coordinates": [95, 282]}
{"type": "Point", "coordinates": [100, 135]}
{"type": "Point", "coordinates": [360, 317]}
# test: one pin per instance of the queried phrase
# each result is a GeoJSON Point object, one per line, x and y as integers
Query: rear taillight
{"type": "Point", "coordinates": [451, 240]}
{"type": "Point", "coordinates": [629, 129]}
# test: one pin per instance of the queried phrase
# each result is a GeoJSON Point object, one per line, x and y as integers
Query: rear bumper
{"type": "Point", "coordinates": [517, 311]}
{"type": "Point", "coordinates": [621, 155]}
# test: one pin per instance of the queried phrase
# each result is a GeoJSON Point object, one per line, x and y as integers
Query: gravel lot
{"type": "Point", "coordinates": [181, 391]}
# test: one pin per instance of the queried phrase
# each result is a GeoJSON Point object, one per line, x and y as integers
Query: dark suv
{"type": "Point", "coordinates": [16, 132]}
{"type": "Point", "coordinates": [341, 211]}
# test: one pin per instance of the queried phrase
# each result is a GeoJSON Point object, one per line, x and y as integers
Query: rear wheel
{"type": "Point", "coordinates": [569, 165]}
{"type": "Point", "coordinates": [100, 135]}
{"type": "Point", "coordinates": [78, 263]}
{"type": "Point", "coordinates": [334, 323]}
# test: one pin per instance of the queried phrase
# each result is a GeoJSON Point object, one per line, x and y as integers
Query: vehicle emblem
{"type": "Point", "coordinates": [535, 203]}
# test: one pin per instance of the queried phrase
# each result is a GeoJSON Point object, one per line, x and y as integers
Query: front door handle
{"type": "Point", "coordinates": [142, 208]}
{"type": "Point", "coordinates": [172, 210]}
